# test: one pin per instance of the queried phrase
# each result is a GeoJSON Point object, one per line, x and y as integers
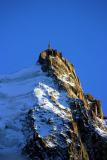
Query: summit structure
{"type": "Point", "coordinates": [49, 45]}
{"type": "Point", "coordinates": [45, 114]}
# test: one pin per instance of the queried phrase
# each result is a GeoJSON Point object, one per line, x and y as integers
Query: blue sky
{"type": "Point", "coordinates": [77, 28]}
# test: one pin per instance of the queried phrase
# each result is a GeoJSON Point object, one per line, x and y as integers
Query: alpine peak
{"type": "Point", "coordinates": [45, 114]}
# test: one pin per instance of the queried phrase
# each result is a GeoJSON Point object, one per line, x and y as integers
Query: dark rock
{"type": "Point", "coordinates": [83, 139]}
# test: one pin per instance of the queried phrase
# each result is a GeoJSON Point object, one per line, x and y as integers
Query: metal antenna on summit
{"type": "Point", "coordinates": [49, 45]}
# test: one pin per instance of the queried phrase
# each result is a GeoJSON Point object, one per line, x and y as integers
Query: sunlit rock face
{"type": "Point", "coordinates": [53, 62]}
{"type": "Point", "coordinates": [66, 122]}
{"type": "Point", "coordinates": [45, 114]}
{"type": "Point", "coordinates": [63, 72]}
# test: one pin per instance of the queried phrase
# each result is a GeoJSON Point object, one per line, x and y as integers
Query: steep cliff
{"type": "Point", "coordinates": [66, 123]}
{"type": "Point", "coordinates": [45, 114]}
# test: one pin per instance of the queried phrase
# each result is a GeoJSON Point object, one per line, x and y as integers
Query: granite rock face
{"type": "Point", "coordinates": [65, 123]}
{"type": "Point", "coordinates": [64, 72]}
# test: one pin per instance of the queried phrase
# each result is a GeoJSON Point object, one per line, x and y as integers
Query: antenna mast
{"type": "Point", "coordinates": [49, 45]}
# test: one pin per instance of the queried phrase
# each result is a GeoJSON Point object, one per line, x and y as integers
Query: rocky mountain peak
{"type": "Point", "coordinates": [71, 124]}
{"type": "Point", "coordinates": [57, 66]}
{"type": "Point", "coordinates": [45, 114]}
{"type": "Point", "coordinates": [53, 62]}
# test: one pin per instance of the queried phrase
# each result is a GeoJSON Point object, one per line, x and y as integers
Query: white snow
{"type": "Point", "coordinates": [53, 111]}
{"type": "Point", "coordinates": [16, 98]}
{"type": "Point", "coordinates": [44, 93]}
{"type": "Point", "coordinates": [22, 91]}
{"type": "Point", "coordinates": [101, 127]}
{"type": "Point", "coordinates": [102, 122]}
{"type": "Point", "coordinates": [66, 79]}
{"type": "Point", "coordinates": [101, 132]}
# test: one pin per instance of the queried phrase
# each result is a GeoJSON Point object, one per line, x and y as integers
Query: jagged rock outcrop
{"type": "Point", "coordinates": [53, 62]}
{"type": "Point", "coordinates": [65, 123]}
{"type": "Point", "coordinates": [63, 71]}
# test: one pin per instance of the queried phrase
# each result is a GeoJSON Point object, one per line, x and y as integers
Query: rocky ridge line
{"type": "Point", "coordinates": [81, 131]}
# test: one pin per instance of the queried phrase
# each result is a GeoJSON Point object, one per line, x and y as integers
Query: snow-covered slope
{"type": "Point", "coordinates": [53, 113]}
{"type": "Point", "coordinates": [16, 98]}
{"type": "Point", "coordinates": [30, 89]}
{"type": "Point", "coordinates": [45, 114]}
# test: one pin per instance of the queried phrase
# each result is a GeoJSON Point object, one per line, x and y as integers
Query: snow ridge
{"type": "Point", "coordinates": [25, 90]}
{"type": "Point", "coordinates": [16, 98]}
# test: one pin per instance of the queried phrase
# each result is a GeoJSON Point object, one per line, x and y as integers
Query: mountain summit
{"type": "Point", "coordinates": [45, 114]}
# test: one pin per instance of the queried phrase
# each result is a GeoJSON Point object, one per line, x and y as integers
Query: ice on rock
{"type": "Point", "coordinates": [53, 111]}
{"type": "Point", "coordinates": [16, 98]}
{"type": "Point", "coordinates": [24, 90]}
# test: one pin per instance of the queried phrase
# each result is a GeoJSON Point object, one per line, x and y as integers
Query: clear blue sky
{"type": "Point", "coordinates": [77, 28]}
